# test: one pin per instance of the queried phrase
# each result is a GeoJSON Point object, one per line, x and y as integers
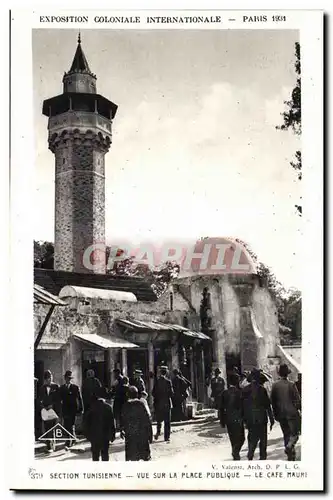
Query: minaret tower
{"type": "Point", "coordinates": [80, 135]}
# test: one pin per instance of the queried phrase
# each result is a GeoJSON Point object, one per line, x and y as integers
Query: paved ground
{"type": "Point", "coordinates": [196, 442]}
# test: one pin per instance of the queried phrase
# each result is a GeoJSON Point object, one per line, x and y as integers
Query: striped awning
{"type": "Point", "coordinates": [156, 326]}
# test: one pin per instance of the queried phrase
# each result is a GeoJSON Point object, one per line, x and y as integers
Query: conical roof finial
{"type": "Point", "coordinates": [79, 38]}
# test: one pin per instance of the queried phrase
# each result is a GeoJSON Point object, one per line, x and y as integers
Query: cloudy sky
{"type": "Point", "coordinates": [195, 150]}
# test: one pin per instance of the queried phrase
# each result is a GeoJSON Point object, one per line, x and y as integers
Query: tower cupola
{"type": "Point", "coordinates": [79, 78]}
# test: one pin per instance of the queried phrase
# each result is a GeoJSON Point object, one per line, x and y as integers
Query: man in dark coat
{"type": "Point", "coordinates": [286, 406]}
{"type": "Point", "coordinates": [99, 426]}
{"type": "Point", "coordinates": [256, 411]}
{"type": "Point", "coordinates": [49, 398]}
{"type": "Point", "coordinates": [138, 382]}
{"type": "Point", "coordinates": [180, 387]}
{"type": "Point", "coordinates": [217, 385]}
{"type": "Point", "coordinates": [163, 395]}
{"type": "Point", "coordinates": [38, 418]}
{"type": "Point", "coordinates": [119, 395]}
{"type": "Point", "coordinates": [72, 404]}
{"type": "Point", "coordinates": [136, 428]}
{"type": "Point", "coordinates": [231, 415]}
{"type": "Point", "coordinates": [90, 388]}
{"type": "Point", "coordinates": [298, 384]}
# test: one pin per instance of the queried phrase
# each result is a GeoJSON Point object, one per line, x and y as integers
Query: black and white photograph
{"type": "Point", "coordinates": [169, 221]}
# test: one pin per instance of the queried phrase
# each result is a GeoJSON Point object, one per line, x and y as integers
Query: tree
{"type": "Point", "coordinates": [43, 254]}
{"type": "Point", "coordinates": [288, 301]}
{"type": "Point", "coordinates": [159, 277]}
{"type": "Point", "coordinates": [292, 116]}
{"type": "Point", "coordinates": [266, 275]}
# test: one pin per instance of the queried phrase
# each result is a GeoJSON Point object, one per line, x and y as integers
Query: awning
{"type": "Point", "coordinates": [156, 326]}
{"type": "Point", "coordinates": [103, 342]}
{"type": "Point", "coordinates": [42, 296]}
{"type": "Point", "coordinates": [83, 292]}
{"type": "Point", "coordinates": [51, 346]}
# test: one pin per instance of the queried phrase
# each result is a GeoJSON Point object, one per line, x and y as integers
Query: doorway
{"type": "Point", "coordinates": [232, 361]}
{"type": "Point", "coordinates": [96, 360]}
{"type": "Point", "coordinates": [137, 359]}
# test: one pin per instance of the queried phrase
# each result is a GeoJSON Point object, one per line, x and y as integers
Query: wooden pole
{"type": "Point", "coordinates": [124, 361]}
{"type": "Point", "coordinates": [42, 329]}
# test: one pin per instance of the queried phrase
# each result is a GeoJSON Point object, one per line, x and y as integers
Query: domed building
{"type": "Point", "coordinates": [235, 309]}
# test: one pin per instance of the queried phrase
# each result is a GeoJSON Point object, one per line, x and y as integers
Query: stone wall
{"type": "Point", "coordinates": [65, 321]}
{"type": "Point", "coordinates": [244, 317]}
{"type": "Point", "coordinates": [53, 360]}
{"type": "Point", "coordinates": [79, 196]}
{"type": "Point", "coordinates": [266, 317]}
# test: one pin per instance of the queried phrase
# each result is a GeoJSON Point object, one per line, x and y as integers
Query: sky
{"type": "Point", "coordinates": [195, 147]}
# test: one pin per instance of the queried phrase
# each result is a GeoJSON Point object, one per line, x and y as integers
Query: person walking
{"type": "Point", "coordinates": [231, 415]}
{"type": "Point", "coordinates": [138, 382]}
{"type": "Point", "coordinates": [163, 396]}
{"type": "Point", "coordinates": [136, 428]}
{"type": "Point", "coordinates": [90, 388]}
{"type": "Point", "coordinates": [49, 399]}
{"type": "Point", "coordinates": [37, 407]}
{"type": "Point", "coordinates": [99, 426]}
{"type": "Point", "coordinates": [180, 386]}
{"type": "Point", "coordinates": [244, 380]}
{"type": "Point", "coordinates": [118, 392]}
{"type": "Point", "coordinates": [217, 385]}
{"type": "Point", "coordinates": [144, 396]}
{"type": "Point", "coordinates": [286, 403]}
{"type": "Point", "coordinates": [257, 410]}
{"type": "Point", "coordinates": [298, 384]}
{"type": "Point", "coordinates": [71, 404]}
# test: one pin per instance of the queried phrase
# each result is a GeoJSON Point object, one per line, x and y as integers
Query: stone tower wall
{"type": "Point", "coordinates": [79, 196]}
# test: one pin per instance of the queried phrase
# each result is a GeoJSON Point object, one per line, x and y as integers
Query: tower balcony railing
{"type": "Point", "coordinates": [79, 119]}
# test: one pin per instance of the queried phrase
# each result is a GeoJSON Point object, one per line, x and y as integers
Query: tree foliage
{"type": "Point", "coordinates": [43, 254]}
{"type": "Point", "coordinates": [159, 277]}
{"type": "Point", "coordinates": [292, 116]}
{"type": "Point", "coordinates": [288, 301]}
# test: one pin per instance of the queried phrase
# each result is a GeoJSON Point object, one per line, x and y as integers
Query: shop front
{"type": "Point", "coordinates": [101, 354]}
{"type": "Point", "coordinates": [166, 344]}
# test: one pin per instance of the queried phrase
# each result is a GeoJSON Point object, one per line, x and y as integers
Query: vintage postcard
{"type": "Point", "coordinates": [166, 201]}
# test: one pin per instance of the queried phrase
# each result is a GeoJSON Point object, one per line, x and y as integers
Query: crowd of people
{"type": "Point", "coordinates": [123, 408]}
{"type": "Point", "coordinates": [244, 404]}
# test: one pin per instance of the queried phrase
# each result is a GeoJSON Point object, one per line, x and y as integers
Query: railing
{"type": "Point", "coordinates": [80, 119]}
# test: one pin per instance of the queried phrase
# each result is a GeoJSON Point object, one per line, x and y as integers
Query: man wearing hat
{"type": "Point", "coordinates": [217, 387]}
{"type": "Point", "coordinates": [180, 386]}
{"type": "Point", "coordinates": [231, 415]}
{"type": "Point", "coordinates": [163, 394]}
{"type": "Point", "coordinates": [138, 382]}
{"type": "Point", "coordinates": [71, 404]}
{"type": "Point", "coordinates": [286, 404]}
{"type": "Point", "coordinates": [90, 386]}
{"type": "Point", "coordinates": [38, 419]}
{"type": "Point", "coordinates": [99, 426]}
{"type": "Point", "coordinates": [256, 411]}
{"type": "Point", "coordinates": [49, 398]}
